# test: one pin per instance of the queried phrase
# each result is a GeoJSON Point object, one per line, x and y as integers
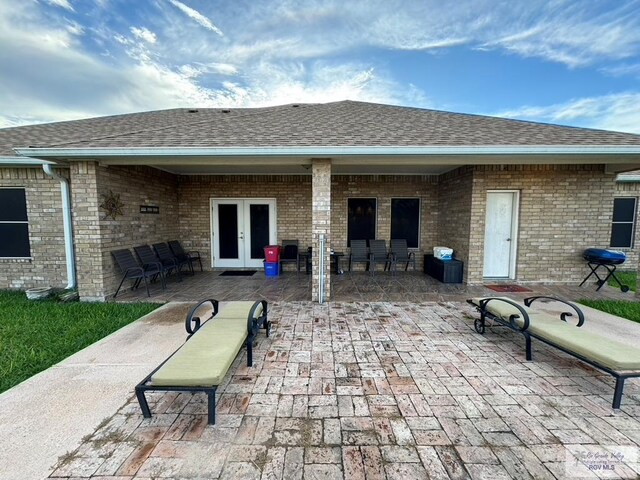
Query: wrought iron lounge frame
{"type": "Point", "coordinates": [192, 324]}
{"type": "Point", "coordinates": [480, 325]}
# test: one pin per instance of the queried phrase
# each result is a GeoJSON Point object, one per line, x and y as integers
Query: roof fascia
{"type": "Point", "coordinates": [71, 153]}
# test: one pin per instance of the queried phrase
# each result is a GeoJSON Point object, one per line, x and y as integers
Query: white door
{"type": "Point", "coordinates": [500, 234]}
{"type": "Point", "coordinates": [241, 228]}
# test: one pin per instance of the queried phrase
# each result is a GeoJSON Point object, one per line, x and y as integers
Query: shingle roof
{"type": "Point", "coordinates": [345, 123]}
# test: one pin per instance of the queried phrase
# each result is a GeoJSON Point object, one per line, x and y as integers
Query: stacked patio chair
{"type": "Point", "coordinates": [359, 254]}
{"type": "Point", "coordinates": [164, 254]}
{"type": "Point", "coordinates": [290, 253]}
{"type": "Point", "coordinates": [147, 257]}
{"type": "Point", "coordinates": [180, 253]}
{"type": "Point", "coordinates": [401, 253]}
{"type": "Point", "coordinates": [378, 254]}
{"type": "Point", "coordinates": [133, 271]}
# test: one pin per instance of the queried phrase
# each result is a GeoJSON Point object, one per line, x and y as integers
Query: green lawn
{"type": "Point", "coordinates": [37, 334]}
{"type": "Point", "coordinates": [627, 278]}
{"type": "Point", "coordinates": [622, 308]}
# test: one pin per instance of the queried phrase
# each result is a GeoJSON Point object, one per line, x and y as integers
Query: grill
{"type": "Point", "coordinates": [604, 259]}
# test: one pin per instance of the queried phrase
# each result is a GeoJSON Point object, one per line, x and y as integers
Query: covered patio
{"type": "Point", "coordinates": [410, 286]}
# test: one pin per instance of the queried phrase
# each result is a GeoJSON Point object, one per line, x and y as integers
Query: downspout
{"type": "Point", "coordinates": [66, 219]}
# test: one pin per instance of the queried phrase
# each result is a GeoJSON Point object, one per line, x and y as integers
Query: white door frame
{"type": "Point", "coordinates": [244, 235]}
{"type": "Point", "coordinates": [515, 213]}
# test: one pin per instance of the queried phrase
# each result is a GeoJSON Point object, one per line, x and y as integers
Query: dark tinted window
{"type": "Point", "coordinates": [624, 209]}
{"type": "Point", "coordinates": [13, 205]}
{"type": "Point", "coordinates": [405, 220]}
{"type": "Point", "coordinates": [622, 228]}
{"type": "Point", "coordinates": [362, 219]}
{"type": "Point", "coordinates": [14, 229]}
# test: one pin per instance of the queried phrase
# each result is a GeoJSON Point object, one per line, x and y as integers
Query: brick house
{"type": "Point", "coordinates": [515, 200]}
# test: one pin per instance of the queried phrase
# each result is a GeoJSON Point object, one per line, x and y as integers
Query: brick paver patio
{"type": "Point", "coordinates": [379, 390]}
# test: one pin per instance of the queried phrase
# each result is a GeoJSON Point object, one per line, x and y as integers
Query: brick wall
{"type": "Point", "coordinates": [563, 210]}
{"type": "Point", "coordinates": [454, 204]}
{"type": "Point", "coordinates": [291, 192]}
{"type": "Point", "coordinates": [96, 235]}
{"type": "Point", "coordinates": [47, 265]}
{"type": "Point", "coordinates": [384, 188]}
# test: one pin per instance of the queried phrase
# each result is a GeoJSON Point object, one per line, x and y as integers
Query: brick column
{"type": "Point", "coordinates": [321, 224]}
{"type": "Point", "coordinates": [86, 230]}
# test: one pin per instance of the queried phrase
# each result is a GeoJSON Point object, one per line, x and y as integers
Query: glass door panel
{"type": "Point", "coordinates": [228, 231]}
{"type": "Point", "coordinates": [259, 228]}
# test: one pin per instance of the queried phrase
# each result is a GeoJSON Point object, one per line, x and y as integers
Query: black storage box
{"type": "Point", "coordinates": [447, 271]}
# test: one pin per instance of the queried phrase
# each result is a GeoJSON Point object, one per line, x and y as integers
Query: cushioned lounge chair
{"type": "Point", "coordinates": [620, 360]}
{"type": "Point", "coordinates": [180, 252]}
{"type": "Point", "coordinates": [133, 271]}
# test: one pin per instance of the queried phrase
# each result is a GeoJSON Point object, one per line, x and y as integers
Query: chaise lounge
{"type": "Point", "coordinates": [201, 363]}
{"type": "Point", "coordinates": [620, 360]}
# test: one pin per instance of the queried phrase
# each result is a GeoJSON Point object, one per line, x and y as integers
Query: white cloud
{"type": "Point", "coordinates": [61, 3]}
{"type": "Point", "coordinates": [197, 16]}
{"type": "Point", "coordinates": [144, 34]}
{"type": "Point", "coordinates": [618, 112]}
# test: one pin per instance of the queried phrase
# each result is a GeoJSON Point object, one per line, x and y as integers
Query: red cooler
{"type": "Point", "coordinates": [272, 253]}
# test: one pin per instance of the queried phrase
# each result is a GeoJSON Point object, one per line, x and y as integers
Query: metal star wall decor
{"type": "Point", "coordinates": [111, 204]}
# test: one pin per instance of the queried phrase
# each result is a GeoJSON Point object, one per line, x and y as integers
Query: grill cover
{"type": "Point", "coordinates": [609, 257]}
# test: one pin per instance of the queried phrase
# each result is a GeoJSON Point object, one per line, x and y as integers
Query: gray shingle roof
{"type": "Point", "coordinates": [344, 123]}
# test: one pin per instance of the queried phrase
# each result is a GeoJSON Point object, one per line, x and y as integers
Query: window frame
{"type": "Point", "coordinates": [632, 222]}
{"type": "Point", "coordinates": [375, 217]}
{"type": "Point", "coordinates": [419, 218]}
{"type": "Point", "coordinates": [18, 222]}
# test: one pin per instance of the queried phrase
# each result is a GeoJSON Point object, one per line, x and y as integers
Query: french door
{"type": "Point", "coordinates": [501, 234]}
{"type": "Point", "coordinates": [241, 228]}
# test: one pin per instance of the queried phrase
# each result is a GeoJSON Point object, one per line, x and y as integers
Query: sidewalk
{"type": "Point", "coordinates": [48, 415]}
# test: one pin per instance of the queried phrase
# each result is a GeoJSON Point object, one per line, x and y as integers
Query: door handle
{"type": "Point", "coordinates": [508, 239]}
{"type": "Point", "coordinates": [241, 237]}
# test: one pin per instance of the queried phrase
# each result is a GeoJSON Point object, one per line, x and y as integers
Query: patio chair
{"type": "Point", "coordinates": [359, 254]}
{"type": "Point", "coordinates": [401, 253]}
{"type": "Point", "coordinates": [179, 252]}
{"type": "Point", "coordinates": [378, 254]}
{"type": "Point", "coordinates": [164, 254]}
{"type": "Point", "coordinates": [133, 271]}
{"type": "Point", "coordinates": [148, 257]}
{"type": "Point", "coordinates": [290, 253]}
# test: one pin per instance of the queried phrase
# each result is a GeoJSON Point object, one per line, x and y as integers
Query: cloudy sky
{"type": "Point", "coordinates": [559, 61]}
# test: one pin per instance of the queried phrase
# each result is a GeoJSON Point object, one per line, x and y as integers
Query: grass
{"type": "Point", "coordinates": [621, 308]}
{"type": "Point", "coordinates": [37, 334]}
{"type": "Point", "coordinates": [627, 278]}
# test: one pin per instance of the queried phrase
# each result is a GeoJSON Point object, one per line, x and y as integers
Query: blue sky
{"type": "Point", "coordinates": [558, 61]}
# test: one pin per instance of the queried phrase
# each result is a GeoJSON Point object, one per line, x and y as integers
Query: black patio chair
{"type": "Point", "coordinates": [359, 254]}
{"type": "Point", "coordinates": [401, 253]}
{"type": "Point", "coordinates": [378, 254]}
{"type": "Point", "coordinates": [290, 253]}
{"type": "Point", "coordinates": [133, 271]}
{"type": "Point", "coordinates": [179, 252]}
{"type": "Point", "coordinates": [147, 256]}
{"type": "Point", "coordinates": [165, 255]}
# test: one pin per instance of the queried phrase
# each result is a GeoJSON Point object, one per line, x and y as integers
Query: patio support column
{"type": "Point", "coordinates": [321, 224]}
